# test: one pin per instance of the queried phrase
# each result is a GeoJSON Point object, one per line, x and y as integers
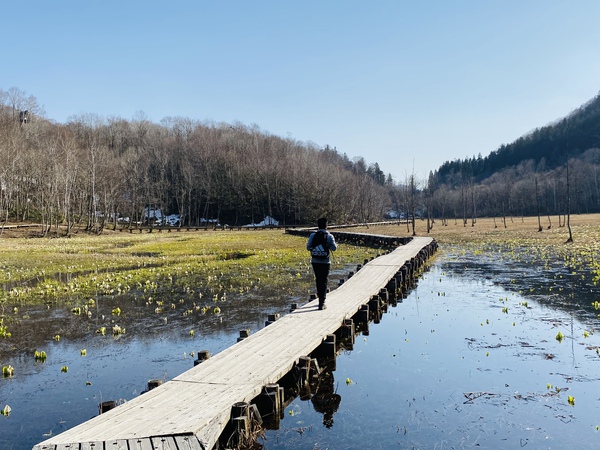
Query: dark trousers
{"type": "Point", "coordinates": [321, 278]}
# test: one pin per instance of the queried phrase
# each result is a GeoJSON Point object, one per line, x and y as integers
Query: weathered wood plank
{"type": "Point", "coordinates": [164, 443]}
{"type": "Point", "coordinates": [44, 447]}
{"type": "Point", "coordinates": [68, 446]}
{"type": "Point", "coordinates": [116, 444]}
{"type": "Point", "coordinates": [198, 402]}
{"type": "Point", "coordinates": [187, 443]}
{"type": "Point", "coordinates": [138, 444]}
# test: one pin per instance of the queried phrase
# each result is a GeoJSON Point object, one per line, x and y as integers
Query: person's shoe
{"type": "Point", "coordinates": [322, 306]}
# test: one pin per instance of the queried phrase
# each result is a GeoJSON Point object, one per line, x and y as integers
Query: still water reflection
{"type": "Point", "coordinates": [465, 362]}
{"type": "Point", "coordinates": [468, 360]}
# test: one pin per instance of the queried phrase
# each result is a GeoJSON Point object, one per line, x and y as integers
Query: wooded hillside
{"type": "Point", "coordinates": [548, 171]}
{"type": "Point", "coordinates": [92, 171]}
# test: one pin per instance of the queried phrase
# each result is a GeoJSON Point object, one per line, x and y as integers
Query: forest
{"type": "Point", "coordinates": [92, 172]}
{"type": "Point", "coordinates": [553, 170]}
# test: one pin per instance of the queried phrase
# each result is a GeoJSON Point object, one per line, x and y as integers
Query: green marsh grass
{"type": "Point", "coordinates": [186, 274]}
{"type": "Point", "coordinates": [216, 263]}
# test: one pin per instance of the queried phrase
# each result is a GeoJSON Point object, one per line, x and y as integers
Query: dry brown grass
{"type": "Point", "coordinates": [585, 227]}
{"type": "Point", "coordinates": [586, 230]}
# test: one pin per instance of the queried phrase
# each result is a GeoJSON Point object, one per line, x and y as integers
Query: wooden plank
{"type": "Point", "coordinates": [164, 443]}
{"type": "Point", "coordinates": [139, 444]}
{"type": "Point", "coordinates": [95, 445]}
{"type": "Point", "coordinates": [198, 402]}
{"type": "Point", "coordinates": [188, 443]}
{"type": "Point", "coordinates": [67, 446]}
{"type": "Point", "coordinates": [116, 444]}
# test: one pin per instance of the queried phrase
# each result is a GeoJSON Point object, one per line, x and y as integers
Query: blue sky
{"type": "Point", "coordinates": [406, 84]}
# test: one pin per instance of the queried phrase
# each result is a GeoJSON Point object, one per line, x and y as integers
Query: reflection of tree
{"type": "Point", "coordinates": [325, 400]}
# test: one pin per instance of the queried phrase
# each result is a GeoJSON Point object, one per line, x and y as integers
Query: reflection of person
{"type": "Point", "coordinates": [321, 243]}
{"type": "Point", "coordinates": [326, 401]}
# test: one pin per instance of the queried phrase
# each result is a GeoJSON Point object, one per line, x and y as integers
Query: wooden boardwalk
{"type": "Point", "coordinates": [191, 411]}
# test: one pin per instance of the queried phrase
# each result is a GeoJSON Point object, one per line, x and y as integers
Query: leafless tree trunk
{"type": "Point", "coordinates": [570, 239]}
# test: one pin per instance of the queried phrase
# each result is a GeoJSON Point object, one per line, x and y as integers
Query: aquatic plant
{"type": "Point", "coordinates": [115, 265]}
{"type": "Point", "coordinates": [4, 330]}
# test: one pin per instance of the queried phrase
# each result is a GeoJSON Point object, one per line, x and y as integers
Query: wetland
{"type": "Point", "coordinates": [471, 358]}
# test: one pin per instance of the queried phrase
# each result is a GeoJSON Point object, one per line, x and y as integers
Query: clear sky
{"type": "Point", "coordinates": [406, 84]}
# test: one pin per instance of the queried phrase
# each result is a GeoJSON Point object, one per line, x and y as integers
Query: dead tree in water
{"type": "Point", "coordinates": [569, 203]}
{"type": "Point", "coordinates": [537, 202]}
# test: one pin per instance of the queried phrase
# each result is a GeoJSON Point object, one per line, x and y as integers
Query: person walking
{"type": "Point", "coordinates": [320, 244]}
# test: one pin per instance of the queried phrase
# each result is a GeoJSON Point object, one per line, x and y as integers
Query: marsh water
{"type": "Point", "coordinates": [469, 359]}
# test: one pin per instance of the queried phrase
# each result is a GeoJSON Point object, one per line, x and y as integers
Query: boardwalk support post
{"type": "Point", "coordinates": [271, 318]}
{"type": "Point", "coordinates": [327, 348]}
{"type": "Point", "coordinates": [106, 406]}
{"type": "Point", "coordinates": [375, 308]}
{"type": "Point", "coordinates": [270, 404]}
{"type": "Point", "coordinates": [392, 289]}
{"type": "Point", "coordinates": [399, 277]}
{"type": "Point", "coordinates": [241, 424]}
{"type": "Point", "coordinates": [361, 318]}
{"type": "Point", "coordinates": [154, 384]}
{"type": "Point", "coordinates": [405, 270]}
{"type": "Point", "coordinates": [244, 419]}
{"type": "Point", "coordinates": [203, 355]}
{"type": "Point", "coordinates": [346, 334]}
{"type": "Point", "coordinates": [243, 335]}
{"type": "Point", "coordinates": [307, 368]}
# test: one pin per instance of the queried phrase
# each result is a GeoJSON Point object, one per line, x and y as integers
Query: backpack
{"type": "Point", "coordinates": [320, 248]}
